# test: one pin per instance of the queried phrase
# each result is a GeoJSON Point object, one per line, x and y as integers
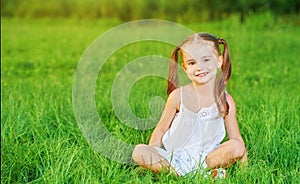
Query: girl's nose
{"type": "Point", "coordinates": [199, 65]}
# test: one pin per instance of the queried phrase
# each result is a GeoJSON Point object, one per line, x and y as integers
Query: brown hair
{"type": "Point", "coordinates": [221, 80]}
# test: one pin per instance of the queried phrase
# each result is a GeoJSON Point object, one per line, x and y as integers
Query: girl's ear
{"type": "Point", "coordinates": [220, 61]}
{"type": "Point", "coordinates": [183, 66]}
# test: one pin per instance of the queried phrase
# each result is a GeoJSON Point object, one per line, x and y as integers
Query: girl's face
{"type": "Point", "coordinates": [200, 62]}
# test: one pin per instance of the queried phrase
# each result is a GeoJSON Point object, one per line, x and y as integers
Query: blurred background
{"type": "Point", "coordinates": [181, 10]}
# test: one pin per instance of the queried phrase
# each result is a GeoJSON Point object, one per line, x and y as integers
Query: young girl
{"type": "Point", "coordinates": [190, 132]}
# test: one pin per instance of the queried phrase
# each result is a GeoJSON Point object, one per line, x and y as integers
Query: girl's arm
{"type": "Point", "coordinates": [172, 105]}
{"type": "Point", "coordinates": [231, 122]}
{"type": "Point", "coordinates": [232, 150]}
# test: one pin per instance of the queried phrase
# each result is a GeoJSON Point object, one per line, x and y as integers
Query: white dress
{"type": "Point", "coordinates": [191, 137]}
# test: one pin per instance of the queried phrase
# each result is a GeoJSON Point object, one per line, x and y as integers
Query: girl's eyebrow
{"type": "Point", "coordinates": [206, 56]}
{"type": "Point", "coordinates": [190, 60]}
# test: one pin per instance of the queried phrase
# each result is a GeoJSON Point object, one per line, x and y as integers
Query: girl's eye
{"type": "Point", "coordinates": [206, 60]}
{"type": "Point", "coordinates": [191, 63]}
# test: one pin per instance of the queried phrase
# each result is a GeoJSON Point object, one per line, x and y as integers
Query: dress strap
{"type": "Point", "coordinates": [180, 107]}
{"type": "Point", "coordinates": [181, 95]}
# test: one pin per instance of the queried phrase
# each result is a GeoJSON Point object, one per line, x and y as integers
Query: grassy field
{"type": "Point", "coordinates": [42, 143]}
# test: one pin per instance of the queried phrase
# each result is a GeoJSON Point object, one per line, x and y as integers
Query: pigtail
{"type": "Point", "coordinates": [223, 80]}
{"type": "Point", "coordinates": [226, 67]}
{"type": "Point", "coordinates": [173, 75]}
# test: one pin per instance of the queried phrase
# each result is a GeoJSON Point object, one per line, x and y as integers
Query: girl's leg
{"type": "Point", "coordinates": [228, 153]}
{"type": "Point", "coordinates": [148, 157]}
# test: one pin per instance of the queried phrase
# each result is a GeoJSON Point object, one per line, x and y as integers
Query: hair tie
{"type": "Point", "coordinates": [221, 41]}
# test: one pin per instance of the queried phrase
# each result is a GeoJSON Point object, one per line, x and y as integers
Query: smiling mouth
{"type": "Point", "coordinates": [202, 74]}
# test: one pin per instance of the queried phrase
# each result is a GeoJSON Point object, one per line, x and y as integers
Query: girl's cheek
{"type": "Point", "coordinates": [190, 70]}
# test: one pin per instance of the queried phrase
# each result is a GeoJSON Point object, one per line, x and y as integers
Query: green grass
{"type": "Point", "coordinates": [42, 143]}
